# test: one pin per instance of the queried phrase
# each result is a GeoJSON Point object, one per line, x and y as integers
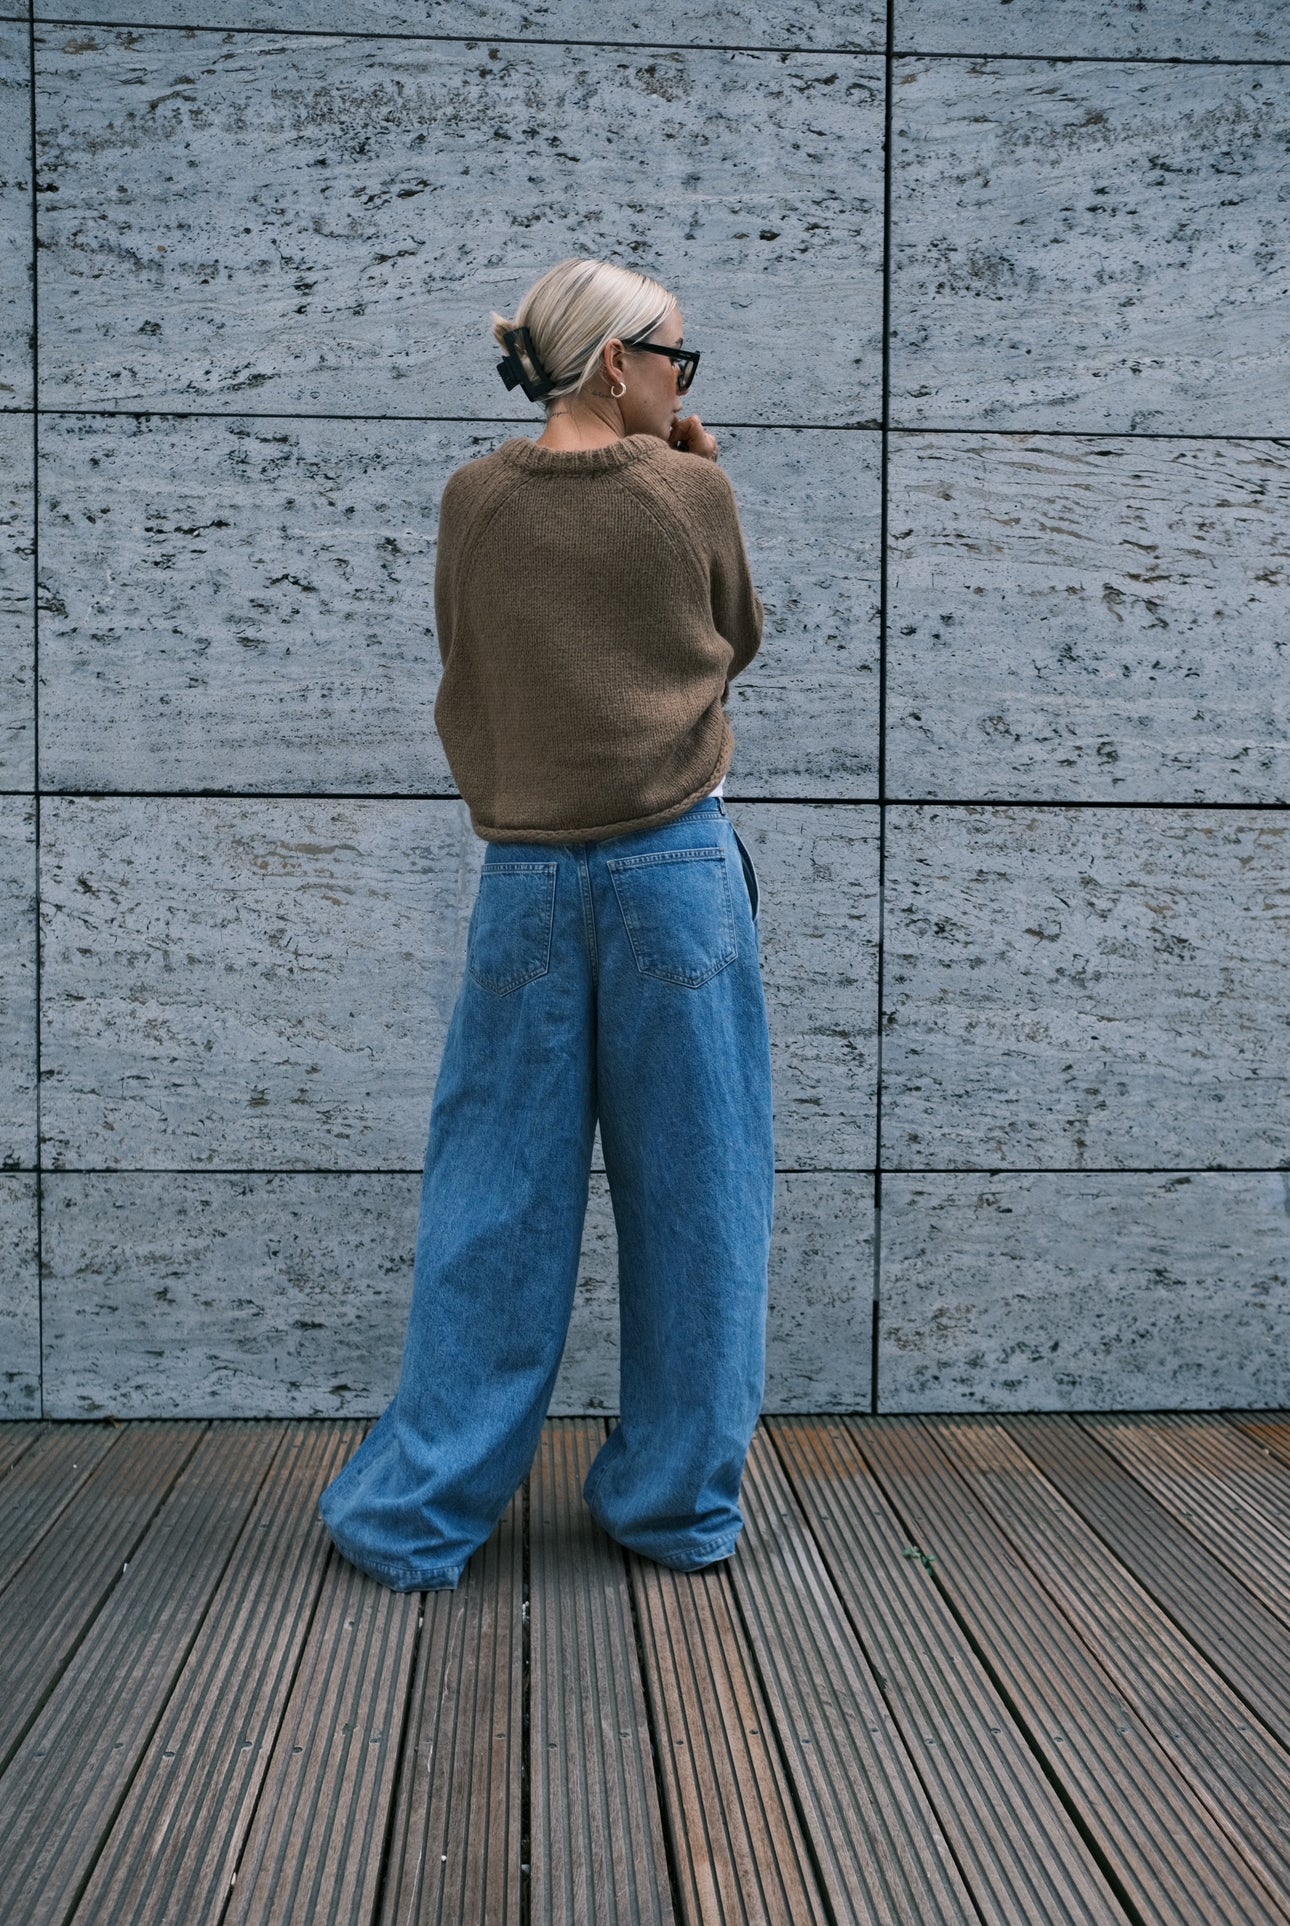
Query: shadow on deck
{"type": "Point", "coordinates": [962, 1669]}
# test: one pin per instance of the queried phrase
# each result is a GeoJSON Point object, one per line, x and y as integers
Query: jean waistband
{"type": "Point", "coordinates": [705, 808]}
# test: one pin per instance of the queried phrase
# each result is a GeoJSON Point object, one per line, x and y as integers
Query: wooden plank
{"type": "Point", "coordinates": [596, 1851]}
{"type": "Point", "coordinates": [1238, 1635]}
{"type": "Point", "coordinates": [1228, 1759]}
{"type": "Point", "coordinates": [177, 1838]}
{"type": "Point", "coordinates": [42, 1482]}
{"type": "Point", "coordinates": [314, 1847]}
{"type": "Point", "coordinates": [74, 1566]}
{"type": "Point", "coordinates": [1162, 1850]}
{"type": "Point", "coordinates": [1220, 1506]}
{"type": "Point", "coordinates": [1205, 1448]}
{"type": "Point", "coordinates": [880, 1852]}
{"type": "Point", "coordinates": [1271, 1429]}
{"type": "Point", "coordinates": [455, 1842]}
{"type": "Point", "coordinates": [741, 1856]}
{"type": "Point", "coordinates": [65, 1782]}
{"type": "Point", "coordinates": [17, 1435]}
{"type": "Point", "coordinates": [1206, 1438]}
{"type": "Point", "coordinates": [1022, 1856]}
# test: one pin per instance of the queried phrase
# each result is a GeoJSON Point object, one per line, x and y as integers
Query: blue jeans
{"type": "Point", "coordinates": [618, 979]}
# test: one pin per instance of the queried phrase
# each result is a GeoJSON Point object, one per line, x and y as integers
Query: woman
{"type": "Point", "coordinates": [593, 598]}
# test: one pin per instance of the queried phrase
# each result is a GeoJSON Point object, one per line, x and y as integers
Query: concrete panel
{"type": "Point", "coordinates": [241, 984]}
{"type": "Point", "coordinates": [1088, 620]}
{"type": "Point", "coordinates": [1150, 30]}
{"type": "Point", "coordinates": [1080, 987]}
{"type": "Point", "coordinates": [1090, 246]}
{"type": "Point", "coordinates": [1118, 1291]}
{"type": "Point", "coordinates": [219, 1296]}
{"type": "Point", "coordinates": [805, 712]}
{"type": "Point", "coordinates": [328, 223]}
{"type": "Point", "coordinates": [248, 604]}
{"type": "Point", "coordinates": [17, 617]}
{"type": "Point", "coordinates": [17, 983]}
{"type": "Point", "coordinates": [15, 216]}
{"type": "Point", "coordinates": [817, 868]}
{"type": "Point", "coordinates": [19, 1298]}
{"type": "Point", "coordinates": [685, 23]}
{"type": "Point", "coordinates": [243, 604]}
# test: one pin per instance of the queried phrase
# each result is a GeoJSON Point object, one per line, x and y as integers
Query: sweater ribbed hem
{"type": "Point", "coordinates": [599, 832]}
{"type": "Point", "coordinates": [578, 461]}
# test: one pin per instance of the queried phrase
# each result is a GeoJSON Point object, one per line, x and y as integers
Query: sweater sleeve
{"type": "Point", "coordinates": [736, 606]}
{"type": "Point", "coordinates": [445, 552]}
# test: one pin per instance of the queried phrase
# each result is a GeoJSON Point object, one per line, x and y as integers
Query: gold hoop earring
{"type": "Point", "coordinates": [618, 393]}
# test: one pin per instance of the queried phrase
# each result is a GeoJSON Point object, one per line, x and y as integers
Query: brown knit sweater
{"type": "Point", "coordinates": [592, 606]}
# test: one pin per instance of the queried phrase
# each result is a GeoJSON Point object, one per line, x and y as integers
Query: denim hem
{"type": "Point", "coordinates": [712, 1556]}
{"type": "Point", "coordinates": [401, 1578]}
{"type": "Point", "coordinates": [680, 1556]}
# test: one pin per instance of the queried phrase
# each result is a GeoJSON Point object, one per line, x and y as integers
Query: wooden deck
{"type": "Point", "coordinates": [1009, 1670]}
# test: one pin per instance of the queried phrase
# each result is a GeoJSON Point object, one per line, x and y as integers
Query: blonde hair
{"type": "Point", "coordinates": [575, 308]}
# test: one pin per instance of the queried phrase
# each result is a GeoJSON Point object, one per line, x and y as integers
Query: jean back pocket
{"type": "Point", "coordinates": [677, 912]}
{"type": "Point", "coordinates": [509, 940]}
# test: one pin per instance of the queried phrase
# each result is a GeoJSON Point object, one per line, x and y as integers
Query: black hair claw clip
{"type": "Point", "coordinates": [534, 378]}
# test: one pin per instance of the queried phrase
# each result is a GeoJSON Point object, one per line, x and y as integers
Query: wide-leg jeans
{"type": "Point", "coordinates": [617, 980]}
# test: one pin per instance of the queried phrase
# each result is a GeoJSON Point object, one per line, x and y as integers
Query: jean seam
{"type": "Point", "coordinates": [687, 982]}
{"type": "Point", "coordinates": [745, 858]}
{"type": "Point", "coordinates": [586, 897]}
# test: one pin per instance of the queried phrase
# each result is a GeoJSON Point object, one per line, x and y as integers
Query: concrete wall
{"type": "Point", "coordinates": [994, 303]}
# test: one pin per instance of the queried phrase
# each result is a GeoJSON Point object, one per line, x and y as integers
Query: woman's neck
{"type": "Point", "coordinates": [579, 428]}
{"type": "Point", "coordinates": [562, 432]}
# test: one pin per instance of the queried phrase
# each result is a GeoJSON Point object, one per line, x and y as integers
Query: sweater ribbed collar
{"type": "Point", "coordinates": [578, 461]}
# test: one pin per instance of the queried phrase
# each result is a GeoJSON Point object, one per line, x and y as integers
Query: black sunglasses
{"type": "Point", "coordinates": [684, 360]}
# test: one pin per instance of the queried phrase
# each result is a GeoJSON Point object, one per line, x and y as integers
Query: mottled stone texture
{"type": "Point", "coordinates": [15, 217]}
{"type": "Point", "coordinates": [1088, 619]}
{"type": "Point", "coordinates": [243, 604]}
{"type": "Point", "coordinates": [817, 866]}
{"type": "Point", "coordinates": [1106, 29]}
{"type": "Point", "coordinates": [19, 1298]}
{"type": "Point", "coordinates": [685, 23]}
{"type": "Point", "coordinates": [1086, 987]}
{"type": "Point", "coordinates": [805, 712]}
{"type": "Point", "coordinates": [248, 984]}
{"type": "Point", "coordinates": [17, 983]}
{"type": "Point", "coordinates": [249, 604]}
{"type": "Point", "coordinates": [1091, 245]}
{"type": "Point", "coordinates": [17, 647]}
{"type": "Point", "coordinates": [220, 1296]}
{"type": "Point", "coordinates": [1119, 1291]}
{"type": "Point", "coordinates": [327, 225]}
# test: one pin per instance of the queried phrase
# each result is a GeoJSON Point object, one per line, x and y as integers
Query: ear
{"type": "Point", "coordinates": [614, 362]}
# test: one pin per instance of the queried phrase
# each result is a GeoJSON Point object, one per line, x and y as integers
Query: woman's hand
{"type": "Point", "coordinates": [690, 435]}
